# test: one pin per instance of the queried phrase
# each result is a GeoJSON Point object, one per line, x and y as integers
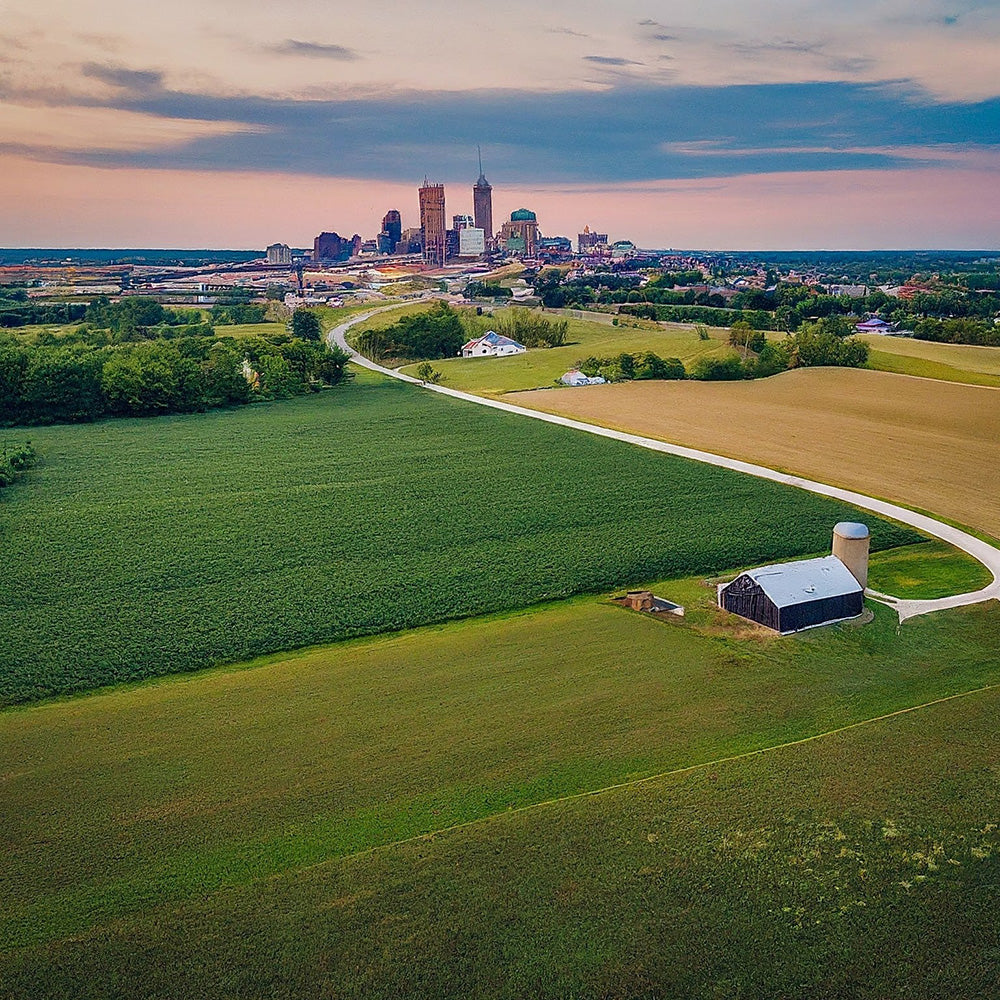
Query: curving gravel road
{"type": "Point", "coordinates": [985, 553]}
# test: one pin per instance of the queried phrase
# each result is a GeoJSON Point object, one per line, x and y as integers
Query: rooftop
{"type": "Point", "coordinates": [806, 580]}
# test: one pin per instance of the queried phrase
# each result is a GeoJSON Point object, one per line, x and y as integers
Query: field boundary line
{"type": "Point", "coordinates": [647, 779]}
{"type": "Point", "coordinates": [982, 551]}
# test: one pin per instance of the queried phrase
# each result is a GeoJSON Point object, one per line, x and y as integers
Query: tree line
{"type": "Point", "coordinates": [83, 378]}
{"type": "Point", "coordinates": [785, 306]}
{"type": "Point", "coordinates": [441, 331]}
{"type": "Point", "coordinates": [814, 345]}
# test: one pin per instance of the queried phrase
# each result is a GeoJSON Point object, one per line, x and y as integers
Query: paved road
{"type": "Point", "coordinates": [987, 554]}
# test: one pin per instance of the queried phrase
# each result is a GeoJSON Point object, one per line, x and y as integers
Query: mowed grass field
{"type": "Point", "coordinates": [964, 363]}
{"type": "Point", "coordinates": [143, 547]}
{"type": "Point", "coordinates": [541, 367]}
{"type": "Point", "coordinates": [250, 832]}
{"type": "Point", "coordinates": [931, 445]}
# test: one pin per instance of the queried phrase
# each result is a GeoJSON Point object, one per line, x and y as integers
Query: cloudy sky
{"type": "Point", "coordinates": [758, 124]}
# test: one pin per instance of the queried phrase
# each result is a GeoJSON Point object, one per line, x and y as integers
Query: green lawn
{"type": "Point", "coordinates": [208, 836]}
{"type": "Point", "coordinates": [964, 363]}
{"type": "Point", "coordinates": [241, 330]}
{"type": "Point", "coordinates": [926, 571]}
{"type": "Point", "coordinates": [541, 367]}
{"type": "Point", "coordinates": [144, 547]}
{"type": "Point", "coordinates": [902, 364]}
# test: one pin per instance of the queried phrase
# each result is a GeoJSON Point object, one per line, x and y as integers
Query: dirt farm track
{"type": "Point", "coordinates": [929, 444]}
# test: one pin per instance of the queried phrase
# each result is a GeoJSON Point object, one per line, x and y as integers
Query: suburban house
{"type": "Point", "coordinates": [492, 345]}
{"type": "Point", "coordinates": [575, 377]}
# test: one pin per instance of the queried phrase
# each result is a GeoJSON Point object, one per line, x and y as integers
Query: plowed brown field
{"type": "Point", "coordinates": [927, 444]}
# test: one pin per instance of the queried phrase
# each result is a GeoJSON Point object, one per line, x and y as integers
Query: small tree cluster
{"type": "Point", "coordinates": [532, 328]}
{"type": "Point", "coordinates": [426, 336]}
{"type": "Point", "coordinates": [633, 367]}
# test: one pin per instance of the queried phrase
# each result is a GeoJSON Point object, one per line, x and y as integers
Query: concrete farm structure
{"type": "Point", "coordinates": [851, 542]}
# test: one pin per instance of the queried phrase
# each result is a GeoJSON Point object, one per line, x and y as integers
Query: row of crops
{"type": "Point", "coordinates": [142, 548]}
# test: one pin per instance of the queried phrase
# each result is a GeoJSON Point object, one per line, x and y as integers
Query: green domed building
{"type": "Point", "coordinates": [519, 236]}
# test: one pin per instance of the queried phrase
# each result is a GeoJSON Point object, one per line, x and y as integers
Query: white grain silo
{"type": "Point", "coordinates": [850, 545]}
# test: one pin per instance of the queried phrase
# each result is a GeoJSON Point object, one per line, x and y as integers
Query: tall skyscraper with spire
{"type": "Point", "coordinates": [482, 203]}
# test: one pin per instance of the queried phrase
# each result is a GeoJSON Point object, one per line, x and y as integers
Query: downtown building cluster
{"type": "Point", "coordinates": [469, 236]}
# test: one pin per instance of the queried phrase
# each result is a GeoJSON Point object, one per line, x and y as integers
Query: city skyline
{"type": "Point", "coordinates": [850, 127]}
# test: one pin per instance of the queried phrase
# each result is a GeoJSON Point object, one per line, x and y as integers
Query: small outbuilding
{"type": "Point", "coordinates": [874, 325]}
{"type": "Point", "coordinates": [792, 596]}
{"type": "Point", "coordinates": [575, 377]}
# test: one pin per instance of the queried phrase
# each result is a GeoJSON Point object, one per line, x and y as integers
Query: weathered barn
{"type": "Point", "coordinates": [797, 595]}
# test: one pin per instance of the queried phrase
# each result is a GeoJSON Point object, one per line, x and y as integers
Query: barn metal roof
{"type": "Point", "coordinates": [807, 580]}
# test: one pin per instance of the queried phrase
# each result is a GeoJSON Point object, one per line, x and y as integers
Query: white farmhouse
{"type": "Point", "coordinates": [492, 345]}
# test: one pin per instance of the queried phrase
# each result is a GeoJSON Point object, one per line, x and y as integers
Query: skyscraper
{"type": "Point", "coordinates": [432, 222]}
{"type": "Point", "coordinates": [392, 231]}
{"type": "Point", "coordinates": [332, 247]}
{"type": "Point", "coordinates": [482, 204]}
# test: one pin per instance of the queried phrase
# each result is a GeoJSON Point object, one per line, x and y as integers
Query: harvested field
{"type": "Point", "coordinates": [933, 445]}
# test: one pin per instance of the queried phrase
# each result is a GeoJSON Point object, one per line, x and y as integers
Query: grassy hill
{"type": "Point", "coordinates": [262, 831]}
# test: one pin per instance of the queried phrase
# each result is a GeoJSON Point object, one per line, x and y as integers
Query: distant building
{"type": "Point", "coordinates": [471, 242]}
{"type": "Point", "coordinates": [851, 291]}
{"type": "Point", "coordinates": [392, 232]}
{"type": "Point", "coordinates": [432, 224]}
{"type": "Point", "coordinates": [519, 237]}
{"type": "Point", "coordinates": [492, 345]}
{"type": "Point", "coordinates": [622, 248]}
{"type": "Point", "coordinates": [588, 241]}
{"type": "Point", "coordinates": [279, 253]}
{"type": "Point", "coordinates": [332, 248]}
{"type": "Point", "coordinates": [576, 377]}
{"type": "Point", "coordinates": [460, 222]}
{"type": "Point", "coordinates": [482, 205]}
{"type": "Point", "coordinates": [410, 241]}
{"type": "Point", "coordinates": [874, 325]}
{"type": "Point", "coordinates": [553, 246]}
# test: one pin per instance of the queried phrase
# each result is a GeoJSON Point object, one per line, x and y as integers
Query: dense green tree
{"type": "Point", "coordinates": [62, 384]}
{"type": "Point", "coordinates": [306, 325]}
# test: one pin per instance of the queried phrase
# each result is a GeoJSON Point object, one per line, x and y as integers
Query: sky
{"type": "Point", "coordinates": [751, 125]}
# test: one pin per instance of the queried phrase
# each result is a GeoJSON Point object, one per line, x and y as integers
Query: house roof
{"type": "Point", "coordinates": [806, 580]}
{"type": "Point", "coordinates": [495, 339]}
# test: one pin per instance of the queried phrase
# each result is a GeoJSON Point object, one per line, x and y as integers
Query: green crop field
{"type": "Point", "coordinates": [237, 833]}
{"type": "Point", "coordinates": [143, 547]}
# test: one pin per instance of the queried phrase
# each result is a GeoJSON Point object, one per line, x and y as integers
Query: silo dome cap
{"type": "Point", "coordinates": [851, 529]}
